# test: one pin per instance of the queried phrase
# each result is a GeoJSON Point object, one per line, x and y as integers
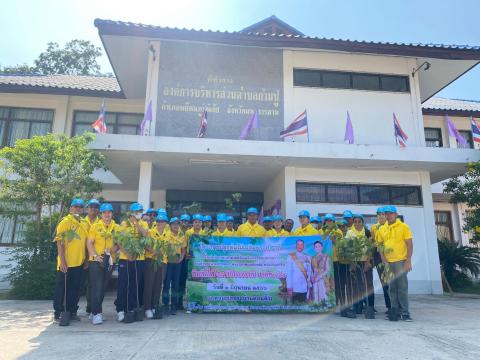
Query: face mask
{"type": "Point", "coordinates": [315, 226]}
{"type": "Point", "coordinates": [138, 216]}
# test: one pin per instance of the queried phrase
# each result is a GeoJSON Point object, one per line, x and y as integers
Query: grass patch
{"type": "Point", "coordinates": [4, 294]}
{"type": "Point", "coordinates": [473, 288]}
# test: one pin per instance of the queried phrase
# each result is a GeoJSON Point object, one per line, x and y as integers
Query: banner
{"type": "Point", "coordinates": [245, 274]}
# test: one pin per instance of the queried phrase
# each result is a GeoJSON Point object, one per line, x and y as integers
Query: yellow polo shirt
{"type": "Point", "coordinates": [393, 237]}
{"type": "Point", "coordinates": [274, 233]}
{"type": "Point", "coordinates": [249, 230]}
{"type": "Point", "coordinates": [88, 223]}
{"type": "Point", "coordinates": [159, 237]}
{"type": "Point", "coordinates": [374, 230]}
{"type": "Point", "coordinates": [225, 233]}
{"type": "Point", "coordinates": [306, 231]}
{"type": "Point", "coordinates": [333, 233]}
{"type": "Point", "coordinates": [74, 247]}
{"type": "Point", "coordinates": [103, 237]}
{"type": "Point", "coordinates": [127, 226]}
{"type": "Point", "coordinates": [179, 241]}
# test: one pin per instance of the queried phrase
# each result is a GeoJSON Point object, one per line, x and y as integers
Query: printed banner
{"type": "Point", "coordinates": [245, 274]}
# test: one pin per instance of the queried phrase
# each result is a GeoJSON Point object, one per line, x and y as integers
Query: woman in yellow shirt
{"type": "Point", "coordinates": [305, 228]}
{"type": "Point", "coordinates": [221, 229]}
{"type": "Point", "coordinates": [155, 270]}
{"type": "Point", "coordinates": [277, 229]}
{"type": "Point", "coordinates": [101, 248]}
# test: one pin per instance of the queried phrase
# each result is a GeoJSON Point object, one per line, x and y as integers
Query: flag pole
{"type": "Point", "coordinates": [308, 132]}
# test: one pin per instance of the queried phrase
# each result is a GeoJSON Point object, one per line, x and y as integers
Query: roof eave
{"type": "Point", "coordinates": [23, 89]}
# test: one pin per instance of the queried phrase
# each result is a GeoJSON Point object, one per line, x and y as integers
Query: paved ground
{"type": "Point", "coordinates": [444, 328]}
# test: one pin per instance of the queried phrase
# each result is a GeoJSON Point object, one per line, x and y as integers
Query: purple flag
{"type": "Point", "coordinates": [348, 138]}
{"type": "Point", "coordinates": [251, 124]}
{"type": "Point", "coordinates": [452, 131]}
{"type": "Point", "coordinates": [147, 120]}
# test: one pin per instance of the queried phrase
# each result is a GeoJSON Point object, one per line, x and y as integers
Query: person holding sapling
{"type": "Point", "coordinates": [151, 215]}
{"type": "Point", "coordinates": [70, 237]}
{"type": "Point", "coordinates": [155, 267]}
{"type": "Point", "coordinates": [101, 249]}
{"type": "Point", "coordinates": [130, 265]}
{"type": "Point", "coordinates": [305, 228]}
{"type": "Point", "coordinates": [277, 228]}
{"type": "Point", "coordinates": [222, 230]}
{"type": "Point", "coordinates": [185, 223]}
{"type": "Point", "coordinates": [177, 241]}
{"type": "Point", "coordinates": [395, 241]}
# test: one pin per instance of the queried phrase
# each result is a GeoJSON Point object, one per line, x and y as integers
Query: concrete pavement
{"type": "Point", "coordinates": [444, 328]}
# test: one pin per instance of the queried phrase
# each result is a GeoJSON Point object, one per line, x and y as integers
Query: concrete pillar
{"type": "Point", "coordinates": [290, 206]}
{"type": "Point", "coordinates": [151, 93]}
{"type": "Point", "coordinates": [145, 183]}
{"type": "Point", "coordinates": [431, 247]}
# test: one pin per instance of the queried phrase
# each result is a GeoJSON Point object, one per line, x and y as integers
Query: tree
{"type": "Point", "coordinates": [77, 57]}
{"type": "Point", "coordinates": [466, 189]}
{"type": "Point", "coordinates": [38, 178]}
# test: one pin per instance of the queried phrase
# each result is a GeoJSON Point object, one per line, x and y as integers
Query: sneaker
{"type": "Point", "coordinates": [149, 314]}
{"type": "Point", "coordinates": [90, 316]}
{"type": "Point", "coordinates": [97, 319]}
{"type": "Point", "coordinates": [120, 316]}
{"type": "Point", "coordinates": [407, 318]}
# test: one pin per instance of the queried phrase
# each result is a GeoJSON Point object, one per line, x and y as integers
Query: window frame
{"type": "Point", "coordinates": [440, 139]}
{"type": "Point", "coordinates": [358, 201]}
{"type": "Point", "coordinates": [351, 75]}
{"type": "Point", "coordinates": [116, 124]}
{"type": "Point", "coordinates": [448, 224]}
{"type": "Point", "coordinates": [9, 120]}
{"type": "Point", "coordinates": [469, 138]}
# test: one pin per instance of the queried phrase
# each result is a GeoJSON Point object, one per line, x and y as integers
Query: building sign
{"type": "Point", "coordinates": [230, 82]}
{"type": "Point", "coordinates": [287, 274]}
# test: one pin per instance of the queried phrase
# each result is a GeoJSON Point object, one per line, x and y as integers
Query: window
{"type": "Point", "coordinates": [358, 194]}
{"type": "Point", "coordinates": [443, 223]}
{"type": "Point", "coordinates": [468, 136]}
{"type": "Point", "coordinates": [23, 123]}
{"type": "Point", "coordinates": [433, 137]}
{"type": "Point", "coordinates": [117, 123]}
{"type": "Point", "coordinates": [350, 80]}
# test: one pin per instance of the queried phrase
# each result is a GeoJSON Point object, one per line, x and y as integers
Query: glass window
{"type": "Point", "coordinates": [38, 129]}
{"type": "Point", "coordinates": [433, 137]}
{"type": "Point", "coordinates": [345, 194]}
{"type": "Point", "coordinates": [129, 123]}
{"type": "Point", "coordinates": [2, 130]}
{"type": "Point", "coordinates": [18, 130]}
{"type": "Point", "coordinates": [468, 136]}
{"type": "Point", "coordinates": [117, 123]}
{"type": "Point", "coordinates": [394, 83]}
{"type": "Point", "coordinates": [311, 192]}
{"type": "Point", "coordinates": [306, 78]}
{"type": "Point", "coordinates": [365, 82]}
{"type": "Point", "coordinates": [371, 194]}
{"type": "Point", "coordinates": [7, 225]}
{"type": "Point", "coordinates": [443, 223]}
{"type": "Point", "coordinates": [336, 80]}
{"type": "Point", "coordinates": [23, 123]}
{"type": "Point", "coordinates": [32, 114]}
{"type": "Point", "coordinates": [405, 195]}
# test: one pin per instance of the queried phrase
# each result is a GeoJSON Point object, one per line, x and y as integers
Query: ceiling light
{"type": "Point", "coordinates": [214, 162]}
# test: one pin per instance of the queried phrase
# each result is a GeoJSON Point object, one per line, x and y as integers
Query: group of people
{"type": "Point", "coordinates": [151, 287]}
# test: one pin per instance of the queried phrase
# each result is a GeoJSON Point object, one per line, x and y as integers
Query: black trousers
{"type": "Point", "coordinates": [153, 282]}
{"type": "Point", "coordinates": [99, 277]}
{"type": "Point", "coordinates": [299, 298]}
{"type": "Point", "coordinates": [183, 281]}
{"type": "Point", "coordinates": [339, 292]}
{"type": "Point", "coordinates": [129, 294]}
{"type": "Point", "coordinates": [345, 290]}
{"type": "Point", "coordinates": [171, 285]}
{"type": "Point", "coordinates": [73, 278]}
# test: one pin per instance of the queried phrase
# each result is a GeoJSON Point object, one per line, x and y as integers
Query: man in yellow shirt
{"type": "Point", "coordinates": [207, 225]}
{"type": "Point", "coordinates": [251, 228]}
{"type": "Point", "coordinates": [101, 247]}
{"type": "Point", "coordinates": [70, 237]}
{"type": "Point", "coordinates": [288, 225]}
{"type": "Point", "coordinates": [267, 223]}
{"type": "Point", "coordinates": [185, 223]}
{"type": "Point", "coordinates": [170, 295]}
{"type": "Point", "coordinates": [230, 224]}
{"type": "Point", "coordinates": [277, 230]}
{"type": "Point", "coordinates": [397, 241]}
{"type": "Point", "coordinates": [222, 226]}
{"type": "Point", "coordinates": [130, 269]}
{"type": "Point", "coordinates": [305, 228]}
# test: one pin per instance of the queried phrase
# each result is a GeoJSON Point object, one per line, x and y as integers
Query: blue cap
{"type": "Point", "coordinates": [151, 211]}
{"type": "Point", "coordinates": [381, 210]}
{"type": "Point", "coordinates": [136, 207]}
{"type": "Point", "coordinates": [184, 217]}
{"type": "Point", "coordinates": [106, 207]}
{"type": "Point", "coordinates": [390, 208]}
{"type": "Point", "coordinates": [329, 217]}
{"type": "Point", "coordinates": [207, 218]}
{"type": "Point", "coordinates": [161, 217]}
{"type": "Point", "coordinates": [229, 218]}
{"type": "Point", "coordinates": [343, 222]}
{"type": "Point", "coordinates": [315, 219]}
{"type": "Point", "coordinates": [358, 216]}
{"type": "Point", "coordinates": [252, 210]}
{"type": "Point", "coordinates": [174, 219]}
{"type": "Point", "coordinates": [347, 214]}
{"type": "Point", "coordinates": [267, 218]}
{"type": "Point", "coordinates": [93, 202]}
{"type": "Point", "coordinates": [221, 217]}
{"type": "Point", "coordinates": [197, 217]}
{"type": "Point", "coordinates": [161, 211]}
{"type": "Point", "coordinates": [304, 213]}
{"type": "Point", "coordinates": [277, 218]}
{"type": "Point", "coordinates": [77, 202]}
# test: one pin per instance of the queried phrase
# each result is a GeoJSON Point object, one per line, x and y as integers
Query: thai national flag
{"type": "Point", "coordinates": [400, 136]}
{"type": "Point", "coordinates": [202, 131]}
{"type": "Point", "coordinates": [299, 126]}
{"type": "Point", "coordinates": [475, 130]}
{"type": "Point", "coordinates": [99, 125]}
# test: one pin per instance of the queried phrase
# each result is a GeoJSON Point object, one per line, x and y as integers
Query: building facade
{"type": "Point", "coordinates": [181, 73]}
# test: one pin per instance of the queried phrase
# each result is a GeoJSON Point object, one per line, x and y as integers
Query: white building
{"type": "Point", "coordinates": [272, 68]}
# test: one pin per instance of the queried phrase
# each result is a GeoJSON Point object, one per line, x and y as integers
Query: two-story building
{"type": "Point", "coordinates": [272, 68]}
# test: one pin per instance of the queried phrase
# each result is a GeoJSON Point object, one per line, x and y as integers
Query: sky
{"type": "Point", "coordinates": [26, 26]}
